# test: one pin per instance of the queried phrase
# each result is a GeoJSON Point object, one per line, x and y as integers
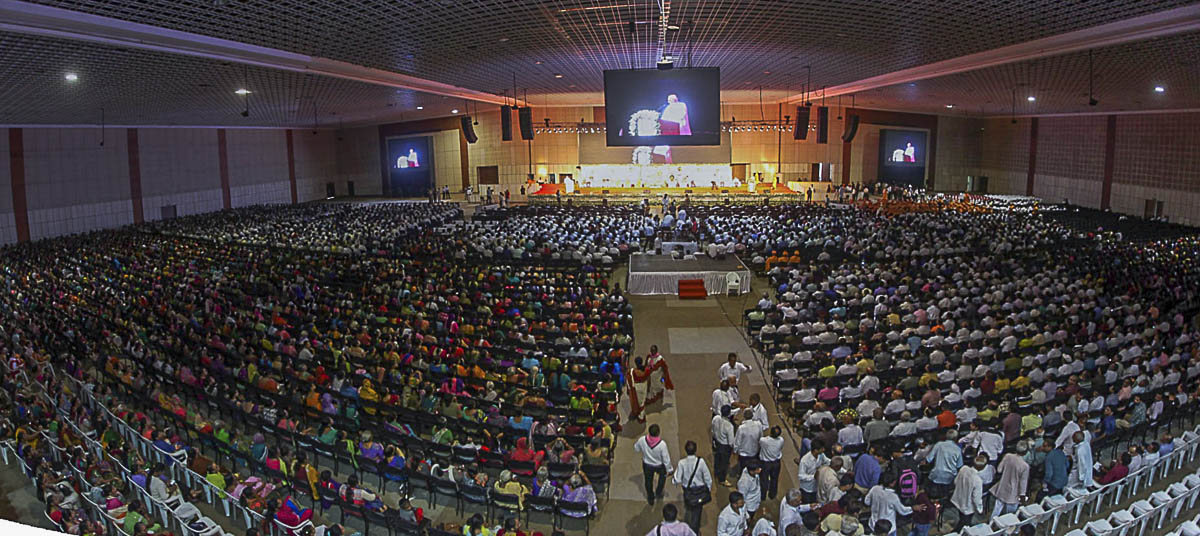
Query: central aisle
{"type": "Point", "coordinates": [695, 337]}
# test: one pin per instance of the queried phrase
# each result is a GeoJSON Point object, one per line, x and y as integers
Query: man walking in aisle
{"type": "Point", "coordinates": [655, 461]}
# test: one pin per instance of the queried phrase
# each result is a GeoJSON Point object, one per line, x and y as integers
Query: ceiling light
{"type": "Point", "coordinates": [454, 111]}
{"type": "Point", "coordinates": [949, 105]}
{"type": "Point", "coordinates": [420, 107]}
{"type": "Point", "coordinates": [539, 62]}
{"type": "Point", "coordinates": [71, 77]}
{"type": "Point", "coordinates": [556, 75]}
{"type": "Point", "coordinates": [242, 91]}
{"type": "Point", "coordinates": [1157, 89]}
{"type": "Point", "coordinates": [1030, 98]}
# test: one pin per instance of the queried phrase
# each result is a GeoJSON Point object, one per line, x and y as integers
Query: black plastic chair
{"type": "Point", "coordinates": [541, 505]}
{"type": "Point", "coordinates": [560, 471]}
{"type": "Point", "coordinates": [580, 510]}
{"type": "Point", "coordinates": [504, 501]}
{"type": "Point", "coordinates": [598, 475]}
{"type": "Point", "coordinates": [371, 517]}
{"type": "Point", "coordinates": [450, 489]}
{"type": "Point", "coordinates": [522, 468]}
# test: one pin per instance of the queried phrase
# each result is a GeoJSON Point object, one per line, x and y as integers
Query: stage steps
{"type": "Point", "coordinates": [692, 289]}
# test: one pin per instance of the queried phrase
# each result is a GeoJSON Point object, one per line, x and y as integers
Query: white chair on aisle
{"type": "Point", "coordinates": [733, 284]}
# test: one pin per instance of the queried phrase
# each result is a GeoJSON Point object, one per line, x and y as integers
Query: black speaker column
{"type": "Point", "coordinates": [506, 123]}
{"type": "Point", "coordinates": [525, 117]}
{"type": "Point", "coordinates": [851, 128]}
{"type": "Point", "coordinates": [468, 129]}
{"type": "Point", "coordinates": [822, 124]}
{"type": "Point", "coordinates": [801, 129]}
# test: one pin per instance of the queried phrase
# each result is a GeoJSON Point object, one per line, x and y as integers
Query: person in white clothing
{"type": "Point", "coordinates": [750, 487]}
{"type": "Point", "coordinates": [764, 527]}
{"type": "Point", "coordinates": [792, 509]}
{"type": "Point", "coordinates": [806, 477]}
{"type": "Point", "coordinates": [968, 492]}
{"type": "Point", "coordinates": [759, 410]}
{"type": "Point", "coordinates": [732, 367]}
{"type": "Point", "coordinates": [722, 396]}
{"type": "Point", "coordinates": [885, 504]}
{"type": "Point", "coordinates": [722, 437]}
{"type": "Point", "coordinates": [770, 456]}
{"type": "Point", "coordinates": [656, 460]}
{"type": "Point", "coordinates": [669, 526]}
{"type": "Point", "coordinates": [745, 440]}
{"type": "Point", "coordinates": [733, 519]}
{"type": "Point", "coordinates": [692, 472]}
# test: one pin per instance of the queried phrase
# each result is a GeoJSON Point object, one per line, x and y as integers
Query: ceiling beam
{"type": "Point", "coordinates": [1164, 23]}
{"type": "Point", "coordinates": [34, 19]}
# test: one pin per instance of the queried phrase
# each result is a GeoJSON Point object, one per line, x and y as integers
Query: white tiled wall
{"type": "Point", "coordinates": [58, 221]}
{"type": "Point", "coordinates": [447, 159]}
{"type": "Point", "coordinates": [66, 167]}
{"type": "Point", "coordinates": [316, 164]}
{"type": "Point", "coordinates": [259, 194]}
{"type": "Point", "coordinates": [257, 156]}
{"type": "Point", "coordinates": [357, 158]}
{"type": "Point", "coordinates": [5, 179]}
{"type": "Point", "coordinates": [74, 185]}
{"type": "Point", "coordinates": [1179, 206]}
{"type": "Point", "coordinates": [8, 228]}
{"type": "Point", "coordinates": [186, 203]}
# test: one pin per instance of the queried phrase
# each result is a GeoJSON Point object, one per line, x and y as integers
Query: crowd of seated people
{"type": "Point", "coordinates": [245, 353]}
{"type": "Point", "coordinates": [764, 235]}
{"type": "Point", "coordinates": [242, 345]}
{"type": "Point", "coordinates": [974, 373]}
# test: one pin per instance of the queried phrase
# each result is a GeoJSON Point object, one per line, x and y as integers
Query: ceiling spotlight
{"type": "Point", "coordinates": [1092, 101]}
{"type": "Point", "coordinates": [71, 77]}
{"type": "Point", "coordinates": [949, 105]}
{"type": "Point", "coordinates": [454, 111]}
{"type": "Point", "coordinates": [539, 62]}
{"type": "Point", "coordinates": [1157, 89]}
{"type": "Point", "coordinates": [242, 91]}
{"type": "Point", "coordinates": [1030, 98]}
{"type": "Point", "coordinates": [420, 107]}
{"type": "Point", "coordinates": [556, 75]}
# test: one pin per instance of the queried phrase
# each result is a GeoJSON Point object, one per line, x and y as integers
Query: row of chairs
{"type": "Point", "coordinates": [1132, 521]}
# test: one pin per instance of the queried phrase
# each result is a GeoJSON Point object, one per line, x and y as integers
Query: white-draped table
{"type": "Point", "coordinates": [660, 274]}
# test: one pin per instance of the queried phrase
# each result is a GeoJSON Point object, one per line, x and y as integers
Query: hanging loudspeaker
{"type": "Point", "coordinates": [468, 129]}
{"type": "Point", "coordinates": [525, 117]}
{"type": "Point", "coordinates": [822, 124]}
{"type": "Point", "coordinates": [851, 128]}
{"type": "Point", "coordinates": [506, 123]}
{"type": "Point", "coordinates": [801, 126]}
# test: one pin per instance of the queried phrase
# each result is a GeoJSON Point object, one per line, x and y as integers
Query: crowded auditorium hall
{"type": "Point", "coordinates": [280, 268]}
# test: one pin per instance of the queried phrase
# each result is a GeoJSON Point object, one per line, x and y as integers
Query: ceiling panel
{"type": "Point", "coordinates": [1124, 80]}
{"type": "Point", "coordinates": [480, 44]}
{"type": "Point", "coordinates": [136, 87]}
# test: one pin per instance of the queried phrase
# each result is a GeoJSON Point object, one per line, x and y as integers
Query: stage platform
{"type": "Point", "coordinates": [660, 274]}
{"type": "Point", "coordinates": [552, 189]}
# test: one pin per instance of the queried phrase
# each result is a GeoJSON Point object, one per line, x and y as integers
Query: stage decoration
{"type": "Point", "coordinates": [644, 123]}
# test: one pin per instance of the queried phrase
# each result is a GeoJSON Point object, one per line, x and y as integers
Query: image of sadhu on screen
{"type": "Point", "coordinates": [408, 161]}
{"type": "Point", "coordinates": [908, 154]}
{"type": "Point", "coordinates": [670, 119]}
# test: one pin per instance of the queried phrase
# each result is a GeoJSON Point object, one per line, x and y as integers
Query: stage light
{"type": "Point", "coordinates": [1159, 89]}
{"type": "Point", "coordinates": [71, 77]}
{"type": "Point", "coordinates": [1030, 98]}
{"type": "Point", "coordinates": [242, 91]}
{"type": "Point", "coordinates": [454, 111]}
{"type": "Point", "coordinates": [949, 105]}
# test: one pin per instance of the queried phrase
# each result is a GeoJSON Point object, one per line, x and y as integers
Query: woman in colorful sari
{"type": "Point", "coordinates": [369, 448]}
{"type": "Point", "coordinates": [578, 489]}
